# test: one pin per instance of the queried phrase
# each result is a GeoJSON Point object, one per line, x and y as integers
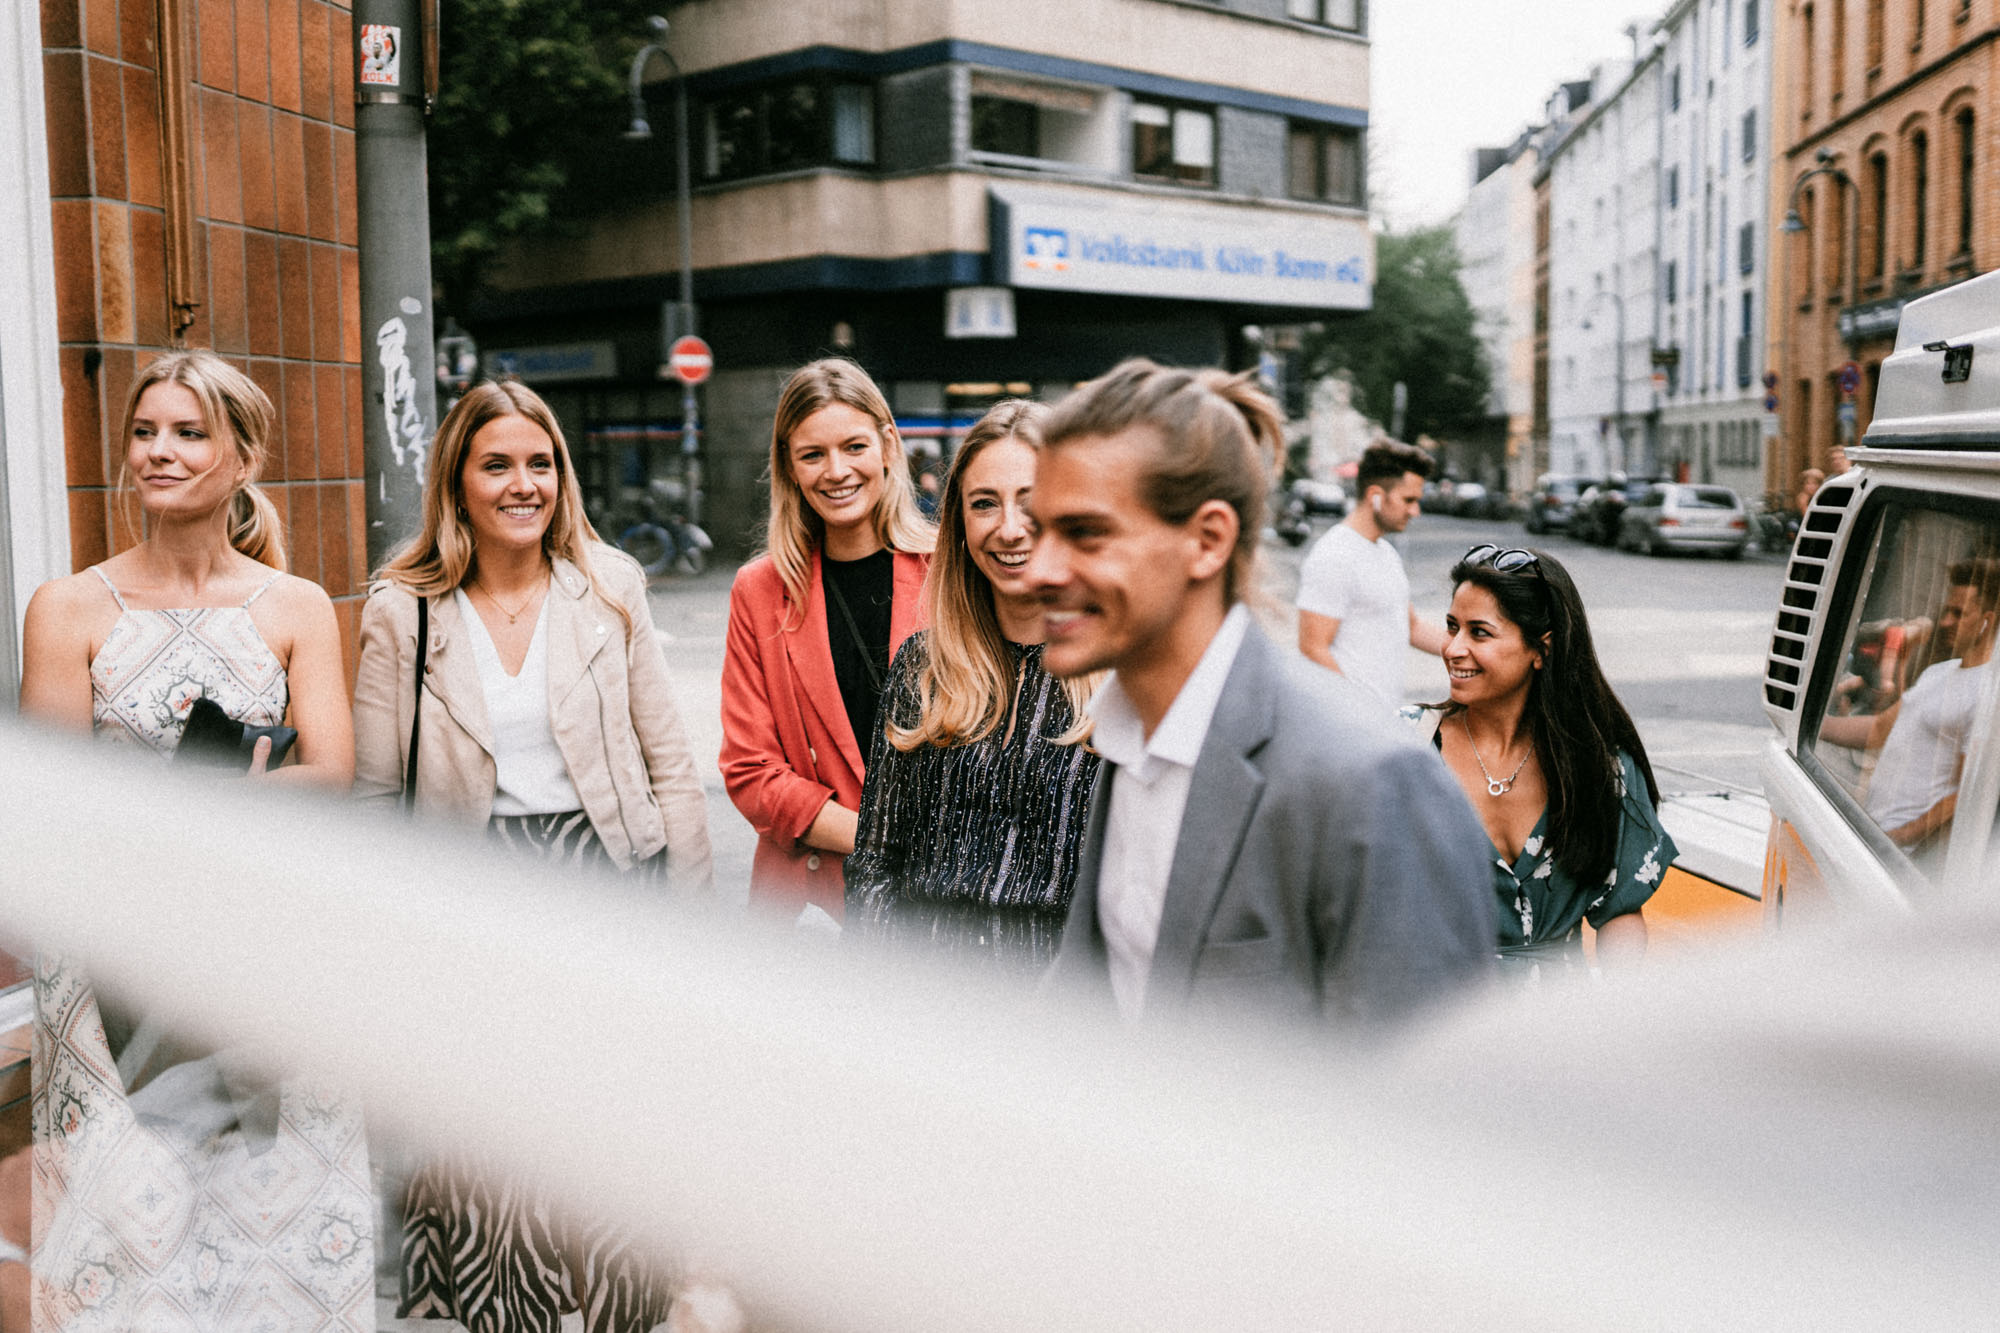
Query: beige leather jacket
{"type": "Point", "coordinates": [610, 705]}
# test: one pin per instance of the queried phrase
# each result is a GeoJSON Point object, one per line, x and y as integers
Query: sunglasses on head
{"type": "Point", "coordinates": [1507, 561]}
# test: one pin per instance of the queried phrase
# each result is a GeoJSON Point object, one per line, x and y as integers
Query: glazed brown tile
{"type": "Point", "coordinates": [149, 276]}
{"type": "Point", "coordinates": [221, 158]}
{"type": "Point", "coordinates": [301, 418]}
{"type": "Point", "coordinates": [260, 292]}
{"type": "Point", "coordinates": [253, 50]}
{"type": "Point", "coordinates": [349, 614]}
{"type": "Point", "coordinates": [326, 303]}
{"type": "Point", "coordinates": [66, 120]}
{"type": "Point", "coordinates": [344, 186]}
{"type": "Point", "coordinates": [228, 294]}
{"type": "Point", "coordinates": [89, 541]}
{"type": "Point", "coordinates": [217, 39]}
{"type": "Point", "coordinates": [294, 298]}
{"type": "Point", "coordinates": [76, 282]}
{"type": "Point", "coordinates": [340, 41]}
{"type": "Point", "coordinates": [288, 165]}
{"type": "Point", "coordinates": [350, 305]}
{"type": "Point", "coordinates": [139, 34]}
{"type": "Point", "coordinates": [114, 273]}
{"type": "Point", "coordinates": [115, 373]}
{"type": "Point", "coordinates": [282, 19]}
{"type": "Point", "coordinates": [355, 407]}
{"type": "Point", "coordinates": [322, 212]}
{"type": "Point", "coordinates": [270, 378]}
{"type": "Point", "coordinates": [100, 26]}
{"type": "Point", "coordinates": [104, 89]}
{"type": "Point", "coordinates": [330, 389]}
{"type": "Point", "coordinates": [336, 573]}
{"type": "Point", "coordinates": [305, 530]}
{"type": "Point", "coordinates": [62, 23]}
{"type": "Point", "coordinates": [357, 533]}
{"type": "Point", "coordinates": [315, 61]}
{"type": "Point", "coordinates": [143, 164]}
{"type": "Point", "coordinates": [83, 420]}
{"type": "Point", "coordinates": [253, 133]}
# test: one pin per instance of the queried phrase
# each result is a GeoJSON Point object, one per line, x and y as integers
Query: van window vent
{"type": "Point", "coordinates": [1781, 698]}
{"type": "Point", "coordinates": [1805, 577]}
{"type": "Point", "coordinates": [1791, 623]}
{"type": "Point", "coordinates": [1784, 645]}
{"type": "Point", "coordinates": [1832, 497]}
{"type": "Point", "coordinates": [1822, 520]}
{"type": "Point", "coordinates": [1814, 548]}
{"type": "Point", "coordinates": [1806, 571]}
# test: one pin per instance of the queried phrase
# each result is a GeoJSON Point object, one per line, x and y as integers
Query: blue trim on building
{"type": "Point", "coordinates": [868, 64]}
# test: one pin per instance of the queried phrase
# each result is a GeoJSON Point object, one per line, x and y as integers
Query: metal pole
{"type": "Point", "coordinates": [398, 386]}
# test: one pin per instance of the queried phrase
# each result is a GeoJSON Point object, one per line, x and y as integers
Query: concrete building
{"type": "Point", "coordinates": [1716, 113]}
{"type": "Point", "coordinates": [1603, 263]}
{"type": "Point", "coordinates": [970, 199]}
{"type": "Point", "coordinates": [1496, 248]}
{"type": "Point", "coordinates": [1886, 156]}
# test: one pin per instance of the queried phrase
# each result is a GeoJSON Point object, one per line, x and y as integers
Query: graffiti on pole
{"type": "Point", "coordinates": [400, 410]}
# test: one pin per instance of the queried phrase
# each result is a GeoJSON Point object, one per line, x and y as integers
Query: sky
{"type": "Point", "coordinates": [1454, 75]}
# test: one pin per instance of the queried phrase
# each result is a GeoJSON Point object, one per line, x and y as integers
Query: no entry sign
{"type": "Point", "coordinates": [690, 359]}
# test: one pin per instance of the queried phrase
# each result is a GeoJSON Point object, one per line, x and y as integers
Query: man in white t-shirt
{"type": "Point", "coordinates": [1354, 598]}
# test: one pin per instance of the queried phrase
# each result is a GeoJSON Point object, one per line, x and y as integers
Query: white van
{"type": "Point", "coordinates": [1884, 777]}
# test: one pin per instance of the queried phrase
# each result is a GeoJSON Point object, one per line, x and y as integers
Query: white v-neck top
{"type": "Point", "coordinates": [532, 777]}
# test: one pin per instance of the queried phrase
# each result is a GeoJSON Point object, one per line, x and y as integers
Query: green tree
{"type": "Point", "coordinates": [1422, 331]}
{"type": "Point", "coordinates": [531, 97]}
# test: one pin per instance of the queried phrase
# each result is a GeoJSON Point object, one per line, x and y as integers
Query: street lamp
{"type": "Point", "coordinates": [640, 128]}
{"type": "Point", "coordinates": [1827, 164]}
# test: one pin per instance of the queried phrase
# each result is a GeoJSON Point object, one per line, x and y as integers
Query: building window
{"type": "Point", "coordinates": [1673, 187]}
{"type": "Point", "coordinates": [1750, 8]}
{"type": "Point", "coordinates": [1746, 248]}
{"type": "Point", "coordinates": [1342, 14]}
{"type": "Point", "coordinates": [1805, 61]}
{"type": "Point", "coordinates": [1323, 162]}
{"type": "Point", "coordinates": [1005, 126]}
{"type": "Point", "coordinates": [1877, 23]}
{"type": "Point", "coordinates": [1802, 251]}
{"type": "Point", "coordinates": [1750, 134]}
{"type": "Point", "coordinates": [1836, 81]}
{"type": "Point", "coordinates": [1673, 281]}
{"type": "Point", "coordinates": [1920, 198]}
{"type": "Point", "coordinates": [1968, 182]}
{"type": "Point", "coordinates": [1744, 343]}
{"type": "Point", "coordinates": [1173, 143]}
{"type": "Point", "coordinates": [1917, 8]}
{"type": "Point", "coordinates": [1674, 90]}
{"type": "Point", "coordinates": [1878, 214]}
{"type": "Point", "coordinates": [783, 127]}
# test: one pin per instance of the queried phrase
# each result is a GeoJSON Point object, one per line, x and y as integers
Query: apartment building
{"type": "Point", "coordinates": [972, 200]}
{"type": "Point", "coordinates": [1716, 238]}
{"type": "Point", "coordinates": [1884, 187]}
{"type": "Point", "coordinates": [1496, 248]}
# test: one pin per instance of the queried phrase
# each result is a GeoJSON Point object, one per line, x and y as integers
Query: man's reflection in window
{"type": "Point", "coordinates": [1923, 735]}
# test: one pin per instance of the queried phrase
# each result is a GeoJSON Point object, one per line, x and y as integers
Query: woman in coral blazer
{"type": "Point", "coordinates": [813, 625]}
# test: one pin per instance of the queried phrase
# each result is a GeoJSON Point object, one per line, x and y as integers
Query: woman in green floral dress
{"type": "Point", "coordinates": [1550, 761]}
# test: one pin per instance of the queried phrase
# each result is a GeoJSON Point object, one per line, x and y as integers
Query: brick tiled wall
{"type": "Point", "coordinates": [271, 171]}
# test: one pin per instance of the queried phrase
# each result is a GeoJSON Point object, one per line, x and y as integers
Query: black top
{"type": "Point", "coordinates": [974, 848]}
{"type": "Point", "coordinates": [868, 586]}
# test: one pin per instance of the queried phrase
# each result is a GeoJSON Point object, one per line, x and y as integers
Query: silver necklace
{"type": "Point", "coordinates": [1494, 786]}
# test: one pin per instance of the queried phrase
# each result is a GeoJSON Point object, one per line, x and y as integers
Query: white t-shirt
{"type": "Point", "coordinates": [1362, 585]}
{"type": "Point", "coordinates": [1919, 762]}
{"type": "Point", "coordinates": [530, 777]}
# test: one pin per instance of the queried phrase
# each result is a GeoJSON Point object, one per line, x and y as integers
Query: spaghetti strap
{"type": "Point", "coordinates": [99, 571]}
{"type": "Point", "coordinates": [261, 589]}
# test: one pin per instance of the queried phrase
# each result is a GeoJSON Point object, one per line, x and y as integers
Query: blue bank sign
{"type": "Point", "coordinates": [1131, 245]}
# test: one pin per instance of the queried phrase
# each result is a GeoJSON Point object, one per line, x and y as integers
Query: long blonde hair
{"type": "Point", "coordinates": [795, 530]}
{"type": "Point", "coordinates": [967, 684]}
{"type": "Point", "coordinates": [440, 557]}
{"type": "Point", "coordinates": [232, 405]}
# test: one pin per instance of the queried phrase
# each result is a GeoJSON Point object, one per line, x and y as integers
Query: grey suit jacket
{"type": "Point", "coordinates": [1327, 867]}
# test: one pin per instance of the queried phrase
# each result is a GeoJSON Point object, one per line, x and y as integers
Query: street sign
{"type": "Point", "coordinates": [1850, 377]}
{"type": "Point", "coordinates": [690, 359]}
{"type": "Point", "coordinates": [1846, 414]}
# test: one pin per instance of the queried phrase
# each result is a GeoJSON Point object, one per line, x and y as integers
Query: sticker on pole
{"type": "Point", "coordinates": [690, 360]}
{"type": "Point", "coordinates": [381, 55]}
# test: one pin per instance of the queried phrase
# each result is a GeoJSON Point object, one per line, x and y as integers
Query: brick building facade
{"type": "Point", "coordinates": [202, 193]}
{"type": "Point", "coordinates": [1887, 151]}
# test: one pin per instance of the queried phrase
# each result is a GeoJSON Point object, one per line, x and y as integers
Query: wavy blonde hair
{"type": "Point", "coordinates": [440, 557]}
{"type": "Point", "coordinates": [231, 405]}
{"type": "Point", "coordinates": [795, 530]}
{"type": "Point", "coordinates": [967, 685]}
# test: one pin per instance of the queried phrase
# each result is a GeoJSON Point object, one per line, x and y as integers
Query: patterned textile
{"type": "Point", "coordinates": [142, 1219]}
{"type": "Point", "coordinates": [494, 1253]}
{"type": "Point", "coordinates": [973, 849]}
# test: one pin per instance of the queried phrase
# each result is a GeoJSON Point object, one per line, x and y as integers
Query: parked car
{"type": "Point", "coordinates": [1469, 499]}
{"type": "Point", "coordinates": [1554, 501]}
{"type": "Point", "coordinates": [1671, 517]}
{"type": "Point", "coordinates": [1321, 497]}
{"type": "Point", "coordinates": [1600, 509]}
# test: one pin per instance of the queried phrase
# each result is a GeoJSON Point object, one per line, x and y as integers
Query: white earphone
{"type": "Point", "coordinates": [1376, 500]}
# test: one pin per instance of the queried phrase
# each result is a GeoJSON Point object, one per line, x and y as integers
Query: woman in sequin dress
{"type": "Point", "coordinates": [146, 1143]}
{"type": "Point", "coordinates": [978, 785]}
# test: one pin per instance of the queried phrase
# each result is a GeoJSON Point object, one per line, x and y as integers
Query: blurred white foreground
{"type": "Point", "coordinates": [1787, 1138]}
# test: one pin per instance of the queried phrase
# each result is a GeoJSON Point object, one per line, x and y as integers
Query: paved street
{"type": "Point", "coordinates": [1682, 640]}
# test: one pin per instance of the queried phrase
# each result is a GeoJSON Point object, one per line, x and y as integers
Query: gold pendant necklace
{"type": "Point", "coordinates": [501, 606]}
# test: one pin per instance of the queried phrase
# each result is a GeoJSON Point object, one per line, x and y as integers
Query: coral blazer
{"type": "Point", "coordinates": [787, 746]}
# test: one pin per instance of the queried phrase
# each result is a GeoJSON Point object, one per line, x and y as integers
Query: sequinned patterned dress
{"type": "Point", "coordinates": [267, 1223]}
{"type": "Point", "coordinates": [973, 849]}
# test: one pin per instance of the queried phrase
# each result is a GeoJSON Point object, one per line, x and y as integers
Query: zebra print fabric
{"type": "Point", "coordinates": [495, 1254]}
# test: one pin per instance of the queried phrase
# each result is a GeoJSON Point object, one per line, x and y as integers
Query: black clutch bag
{"type": "Point", "coordinates": [213, 739]}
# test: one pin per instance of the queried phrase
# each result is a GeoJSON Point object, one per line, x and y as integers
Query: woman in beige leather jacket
{"type": "Point", "coordinates": [547, 718]}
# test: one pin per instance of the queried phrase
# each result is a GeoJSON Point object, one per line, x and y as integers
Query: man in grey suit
{"type": "Point", "coordinates": [1255, 839]}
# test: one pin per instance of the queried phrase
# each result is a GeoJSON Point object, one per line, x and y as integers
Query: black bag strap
{"type": "Point", "coordinates": [854, 634]}
{"type": "Point", "coordinates": [417, 707]}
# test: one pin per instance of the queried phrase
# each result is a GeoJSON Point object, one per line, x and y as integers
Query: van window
{"type": "Point", "coordinates": [1915, 652]}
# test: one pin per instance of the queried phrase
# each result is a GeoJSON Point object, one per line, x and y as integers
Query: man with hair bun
{"type": "Point", "coordinates": [1354, 598]}
{"type": "Point", "coordinates": [1254, 838]}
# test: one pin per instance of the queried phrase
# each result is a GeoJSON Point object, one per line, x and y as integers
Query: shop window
{"type": "Point", "coordinates": [1902, 711]}
{"type": "Point", "coordinates": [1001, 125]}
{"type": "Point", "coordinates": [1342, 14]}
{"type": "Point", "coordinates": [1173, 143]}
{"type": "Point", "coordinates": [1323, 162]}
{"type": "Point", "coordinates": [787, 126]}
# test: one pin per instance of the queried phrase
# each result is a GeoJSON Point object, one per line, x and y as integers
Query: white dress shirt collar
{"type": "Point", "coordinates": [1119, 734]}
